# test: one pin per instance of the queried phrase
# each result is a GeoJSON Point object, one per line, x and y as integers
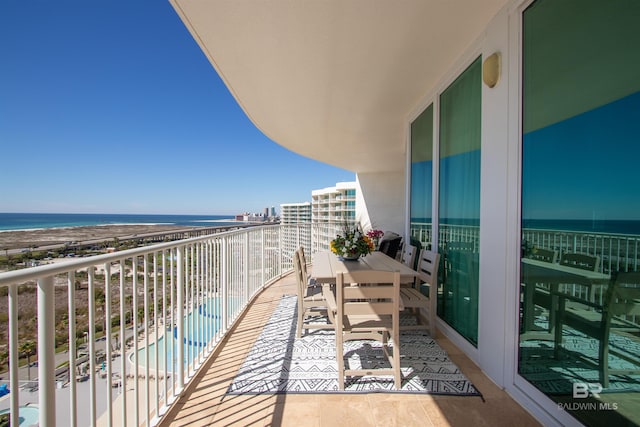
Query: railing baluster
{"type": "Point", "coordinates": [224, 283]}
{"type": "Point", "coordinates": [168, 333]}
{"type": "Point", "coordinates": [14, 362]}
{"type": "Point", "coordinates": [174, 333]}
{"type": "Point", "coordinates": [136, 355]}
{"type": "Point", "coordinates": [145, 305]}
{"type": "Point", "coordinates": [245, 270]}
{"type": "Point", "coordinates": [71, 293]}
{"type": "Point", "coordinates": [107, 310]}
{"type": "Point", "coordinates": [156, 326]}
{"type": "Point", "coordinates": [123, 343]}
{"type": "Point", "coordinates": [180, 319]}
{"type": "Point", "coordinates": [46, 351]}
{"type": "Point", "coordinates": [92, 346]}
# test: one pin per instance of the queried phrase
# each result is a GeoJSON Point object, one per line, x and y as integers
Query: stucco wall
{"type": "Point", "coordinates": [380, 201]}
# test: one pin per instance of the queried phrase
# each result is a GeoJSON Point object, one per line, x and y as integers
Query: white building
{"type": "Point", "coordinates": [334, 204]}
{"type": "Point", "coordinates": [332, 208]}
{"type": "Point", "coordinates": [296, 220]}
{"type": "Point", "coordinates": [295, 213]}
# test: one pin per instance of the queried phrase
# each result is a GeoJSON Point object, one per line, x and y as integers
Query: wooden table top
{"type": "Point", "coordinates": [551, 272]}
{"type": "Point", "coordinates": [326, 265]}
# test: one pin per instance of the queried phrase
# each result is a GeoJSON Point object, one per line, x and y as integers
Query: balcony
{"type": "Point", "coordinates": [203, 403]}
{"type": "Point", "coordinates": [213, 293]}
{"type": "Point", "coordinates": [224, 288]}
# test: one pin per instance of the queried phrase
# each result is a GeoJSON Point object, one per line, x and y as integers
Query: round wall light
{"type": "Point", "coordinates": [491, 70]}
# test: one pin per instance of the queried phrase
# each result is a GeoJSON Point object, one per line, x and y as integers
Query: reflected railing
{"type": "Point", "coordinates": [617, 252]}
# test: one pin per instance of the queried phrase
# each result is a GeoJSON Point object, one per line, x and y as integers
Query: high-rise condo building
{"type": "Point", "coordinates": [296, 221]}
{"type": "Point", "coordinates": [334, 204]}
{"type": "Point", "coordinates": [295, 213]}
{"type": "Point", "coordinates": [331, 208]}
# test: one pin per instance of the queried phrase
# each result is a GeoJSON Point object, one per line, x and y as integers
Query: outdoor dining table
{"type": "Point", "coordinates": [326, 265]}
{"type": "Point", "coordinates": [554, 274]}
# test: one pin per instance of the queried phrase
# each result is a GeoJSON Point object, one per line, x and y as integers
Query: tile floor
{"type": "Point", "coordinates": [205, 404]}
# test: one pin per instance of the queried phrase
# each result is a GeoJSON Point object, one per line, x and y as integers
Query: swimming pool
{"type": "Point", "coordinates": [201, 326]}
{"type": "Point", "coordinates": [28, 415]}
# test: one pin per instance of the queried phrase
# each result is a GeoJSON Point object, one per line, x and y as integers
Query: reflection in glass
{"type": "Point", "coordinates": [421, 177]}
{"type": "Point", "coordinates": [580, 286]}
{"type": "Point", "coordinates": [459, 201]}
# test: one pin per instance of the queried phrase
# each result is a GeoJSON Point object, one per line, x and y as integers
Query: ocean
{"type": "Point", "coordinates": [31, 221]}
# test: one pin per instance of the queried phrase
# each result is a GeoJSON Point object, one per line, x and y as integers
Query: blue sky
{"type": "Point", "coordinates": [585, 167]}
{"type": "Point", "coordinates": [111, 107]}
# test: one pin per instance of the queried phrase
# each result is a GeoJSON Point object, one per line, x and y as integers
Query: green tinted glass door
{"type": "Point", "coordinates": [459, 201]}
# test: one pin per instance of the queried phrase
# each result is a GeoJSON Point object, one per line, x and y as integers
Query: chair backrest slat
{"type": "Point", "coordinates": [368, 292]}
{"type": "Point", "coordinates": [409, 256]}
{"type": "Point", "coordinates": [546, 255]}
{"type": "Point", "coordinates": [582, 261]}
{"type": "Point", "coordinates": [300, 274]}
{"type": "Point", "coordinates": [625, 298]}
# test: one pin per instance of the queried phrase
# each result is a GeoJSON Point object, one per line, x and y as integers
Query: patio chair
{"type": "Point", "coordinates": [546, 255]}
{"type": "Point", "coordinates": [368, 312]}
{"type": "Point", "coordinates": [539, 293]}
{"type": "Point", "coordinates": [583, 261]}
{"type": "Point", "coordinates": [311, 302]}
{"type": "Point", "coordinates": [421, 298]}
{"type": "Point", "coordinates": [303, 263]}
{"type": "Point", "coordinates": [409, 256]}
{"type": "Point", "coordinates": [597, 321]}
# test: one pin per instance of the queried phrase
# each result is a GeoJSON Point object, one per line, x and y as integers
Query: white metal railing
{"type": "Point", "coordinates": [158, 311]}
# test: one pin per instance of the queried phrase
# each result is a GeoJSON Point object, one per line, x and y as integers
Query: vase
{"type": "Point", "coordinates": [349, 258]}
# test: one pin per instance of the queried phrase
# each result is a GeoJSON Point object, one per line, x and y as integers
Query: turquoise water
{"type": "Point", "coordinates": [27, 221]}
{"type": "Point", "coordinates": [28, 415]}
{"type": "Point", "coordinates": [207, 316]}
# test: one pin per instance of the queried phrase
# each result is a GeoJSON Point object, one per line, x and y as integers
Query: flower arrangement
{"type": "Point", "coordinates": [352, 243]}
{"type": "Point", "coordinates": [375, 234]}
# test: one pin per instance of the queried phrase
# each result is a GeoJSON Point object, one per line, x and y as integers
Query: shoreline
{"type": "Point", "coordinates": [119, 224]}
{"type": "Point", "coordinates": [19, 239]}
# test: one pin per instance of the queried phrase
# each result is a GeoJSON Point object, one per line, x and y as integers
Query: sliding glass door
{"type": "Point", "coordinates": [580, 255]}
{"type": "Point", "coordinates": [459, 201]}
{"type": "Point", "coordinates": [421, 178]}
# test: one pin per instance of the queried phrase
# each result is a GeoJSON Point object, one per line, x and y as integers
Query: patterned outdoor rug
{"type": "Point", "coordinates": [280, 363]}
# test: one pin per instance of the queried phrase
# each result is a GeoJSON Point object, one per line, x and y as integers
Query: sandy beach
{"type": "Point", "coordinates": [59, 236]}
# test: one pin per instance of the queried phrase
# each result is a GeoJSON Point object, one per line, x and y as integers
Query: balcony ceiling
{"type": "Point", "coordinates": [335, 80]}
